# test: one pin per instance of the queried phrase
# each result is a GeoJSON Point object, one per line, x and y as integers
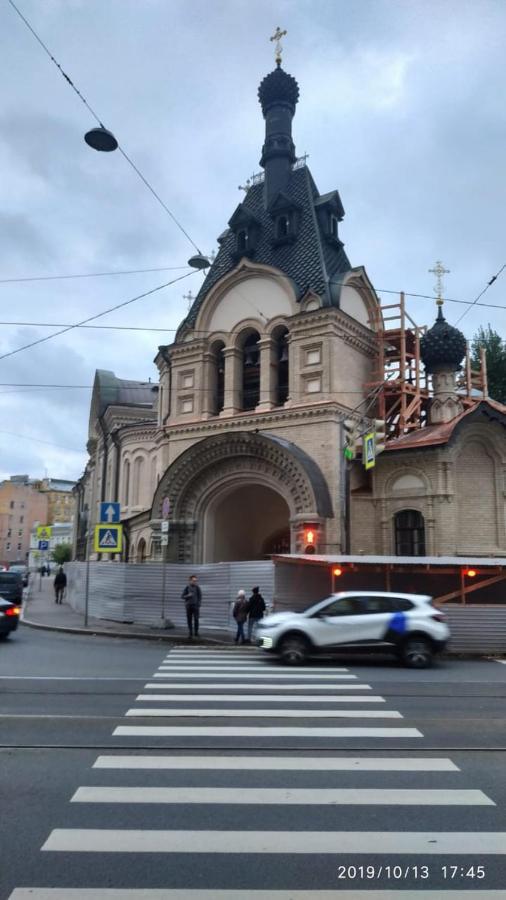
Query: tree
{"type": "Point", "coordinates": [62, 553]}
{"type": "Point", "coordinates": [495, 349]}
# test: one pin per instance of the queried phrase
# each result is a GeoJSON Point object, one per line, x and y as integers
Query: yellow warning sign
{"type": "Point", "coordinates": [44, 532]}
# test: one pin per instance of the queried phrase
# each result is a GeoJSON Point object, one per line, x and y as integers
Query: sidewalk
{"type": "Point", "coordinates": [41, 611]}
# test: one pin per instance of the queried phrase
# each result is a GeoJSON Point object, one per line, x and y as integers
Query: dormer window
{"type": "Point", "coordinates": [246, 228]}
{"type": "Point", "coordinates": [334, 226]}
{"type": "Point", "coordinates": [242, 240]}
{"type": "Point", "coordinates": [285, 214]}
{"type": "Point", "coordinates": [283, 226]}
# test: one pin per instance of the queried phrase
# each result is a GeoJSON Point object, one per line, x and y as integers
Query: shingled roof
{"type": "Point", "coordinates": [435, 435]}
{"type": "Point", "coordinates": [310, 262]}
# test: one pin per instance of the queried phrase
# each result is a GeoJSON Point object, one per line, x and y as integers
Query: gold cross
{"type": "Point", "coordinates": [439, 270]}
{"type": "Point", "coordinates": [278, 34]}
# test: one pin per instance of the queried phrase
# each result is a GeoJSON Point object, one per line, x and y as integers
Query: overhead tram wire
{"type": "Point", "coordinates": [105, 312]}
{"type": "Point", "coordinates": [475, 302]}
{"type": "Point", "coordinates": [97, 119]}
{"type": "Point", "coordinates": [90, 275]}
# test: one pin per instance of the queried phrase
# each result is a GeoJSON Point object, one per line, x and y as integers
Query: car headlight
{"type": "Point", "coordinates": [263, 625]}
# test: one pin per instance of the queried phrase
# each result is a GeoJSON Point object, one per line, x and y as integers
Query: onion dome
{"type": "Point", "coordinates": [278, 88]}
{"type": "Point", "coordinates": [443, 347]}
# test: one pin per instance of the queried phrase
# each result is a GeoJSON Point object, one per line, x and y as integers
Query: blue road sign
{"type": "Point", "coordinates": [43, 545]}
{"type": "Point", "coordinates": [110, 512]}
{"type": "Point", "coordinates": [108, 538]}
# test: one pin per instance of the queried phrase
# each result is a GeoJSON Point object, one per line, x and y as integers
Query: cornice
{"type": "Point", "coordinates": [330, 410]}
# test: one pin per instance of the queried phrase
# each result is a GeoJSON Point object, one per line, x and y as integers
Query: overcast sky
{"type": "Point", "coordinates": [401, 109]}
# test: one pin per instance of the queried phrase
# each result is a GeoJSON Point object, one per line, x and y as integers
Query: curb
{"type": "Point", "coordinates": [140, 636]}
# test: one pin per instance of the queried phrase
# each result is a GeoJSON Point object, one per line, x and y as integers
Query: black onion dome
{"type": "Point", "coordinates": [443, 346]}
{"type": "Point", "coordinates": [278, 87]}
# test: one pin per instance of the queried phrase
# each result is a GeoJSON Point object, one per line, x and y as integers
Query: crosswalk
{"type": "Point", "coordinates": [250, 765]}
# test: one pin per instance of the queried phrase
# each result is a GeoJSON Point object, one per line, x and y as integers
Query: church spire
{"type": "Point", "coordinates": [278, 94]}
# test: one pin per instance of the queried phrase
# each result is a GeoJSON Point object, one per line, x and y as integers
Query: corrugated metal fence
{"type": "Point", "coordinates": [129, 592]}
{"type": "Point", "coordinates": [477, 629]}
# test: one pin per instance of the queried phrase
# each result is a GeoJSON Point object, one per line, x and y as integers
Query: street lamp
{"type": "Point", "coordinates": [101, 139]}
{"type": "Point", "coordinates": [199, 261]}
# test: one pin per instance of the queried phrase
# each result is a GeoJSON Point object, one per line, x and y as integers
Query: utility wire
{"type": "Point", "coordinates": [28, 437]}
{"type": "Point", "coordinates": [475, 302]}
{"type": "Point", "coordinates": [97, 119]}
{"type": "Point", "coordinates": [89, 275]}
{"type": "Point", "coordinates": [96, 316]}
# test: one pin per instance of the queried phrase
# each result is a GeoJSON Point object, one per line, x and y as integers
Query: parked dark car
{"type": "Point", "coordinates": [9, 618]}
{"type": "Point", "coordinates": [20, 569]}
{"type": "Point", "coordinates": [11, 586]}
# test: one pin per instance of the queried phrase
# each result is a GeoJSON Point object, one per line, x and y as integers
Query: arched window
{"type": "Point", "coordinates": [153, 474]}
{"type": "Point", "coordinates": [280, 338]}
{"type": "Point", "coordinates": [217, 378]}
{"type": "Point", "coordinates": [409, 533]}
{"type": "Point", "coordinates": [141, 551]}
{"type": "Point", "coordinates": [126, 483]}
{"type": "Point", "coordinates": [251, 371]}
{"type": "Point", "coordinates": [242, 240]}
{"type": "Point", "coordinates": [137, 481]}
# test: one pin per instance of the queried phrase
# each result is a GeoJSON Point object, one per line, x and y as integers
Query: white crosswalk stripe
{"type": "Point", "coordinates": [213, 686]}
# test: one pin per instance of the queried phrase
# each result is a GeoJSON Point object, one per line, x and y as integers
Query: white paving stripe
{"type": "Point", "coordinates": [282, 796]}
{"type": "Point", "coordinates": [261, 698]}
{"type": "Point", "coordinates": [259, 731]}
{"type": "Point", "coordinates": [281, 763]}
{"type": "Point", "coordinates": [271, 675]}
{"type": "Point", "coordinates": [393, 843]}
{"type": "Point", "coordinates": [246, 686]}
{"type": "Point", "coordinates": [206, 713]}
{"type": "Point", "coordinates": [216, 894]}
{"type": "Point", "coordinates": [246, 667]}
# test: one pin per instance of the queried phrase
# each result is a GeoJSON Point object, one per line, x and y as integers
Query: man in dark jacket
{"type": "Point", "coordinates": [192, 596]}
{"type": "Point", "coordinates": [60, 583]}
{"type": "Point", "coordinates": [256, 609]}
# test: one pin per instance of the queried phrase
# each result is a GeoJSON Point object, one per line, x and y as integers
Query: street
{"type": "Point", "coordinates": [134, 770]}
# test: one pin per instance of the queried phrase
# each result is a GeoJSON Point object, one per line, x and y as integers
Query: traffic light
{"type": "Point", "coordinates": [337, 571]}
{"type": "Point", "coordinates": [470, 573]}
{"type": "Point", "coordinates": [380, 435]}
{"type": "Point", "coordinates": [309, 540]}
{"type": "Point", "coordinates": [350, 435]}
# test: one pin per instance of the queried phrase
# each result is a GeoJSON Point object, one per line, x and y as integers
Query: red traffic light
{"type": "Point", "coordinates": [309, 536]}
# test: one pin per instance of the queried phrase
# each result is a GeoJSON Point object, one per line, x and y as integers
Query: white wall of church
{"type": "Point", "coordinates": [351, 303]}
{"type": "Point", "coordinates": [254, 297]}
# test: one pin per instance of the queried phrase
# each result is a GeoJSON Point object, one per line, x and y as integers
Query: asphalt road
{"type": "Point", "coordinates": [129, 771]}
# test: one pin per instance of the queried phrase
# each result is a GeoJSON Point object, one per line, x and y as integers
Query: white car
{"type": "Point", "coordinates": [405, 624]}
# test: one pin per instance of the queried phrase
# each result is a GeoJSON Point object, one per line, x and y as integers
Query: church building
{"type": "Point", "coordinates": [284, 350]}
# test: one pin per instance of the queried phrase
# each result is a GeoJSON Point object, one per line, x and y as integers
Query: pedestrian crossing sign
{"type": "Point", "coordinates": [44, 532]}
{"type": "Point", "coordinates": [108, 538]}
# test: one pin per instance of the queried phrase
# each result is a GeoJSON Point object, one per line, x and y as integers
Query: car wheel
{"type": "Point", "coordinates": [294, 650]}
{"type": "Point", "coordinates": [417, 653]}
{"type": "Point", "coordinates": [3, 637]}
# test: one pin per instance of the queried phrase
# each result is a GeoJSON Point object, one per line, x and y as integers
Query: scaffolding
{"type": "Point", "coordinates": [400, 383]}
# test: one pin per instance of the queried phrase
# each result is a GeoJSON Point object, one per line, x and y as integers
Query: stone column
{"type": "Point", "coordinates": [445, 404]}
{"type": "Point", "coordinates": [233, 381]}
{"type": "Point", "coordinates": [208, 385]}
{"type": "Point", "coordinates": [267, 373]}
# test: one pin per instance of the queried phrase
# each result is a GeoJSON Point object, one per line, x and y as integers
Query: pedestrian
{"type": "Point", "coordinates": [192, 596]}
{"type": "Point", "coordinates": [240, 614]}
{"type": "Point", "coordinates": [256, 609]}
{"type": "Point", "coordinates": [60, 583]}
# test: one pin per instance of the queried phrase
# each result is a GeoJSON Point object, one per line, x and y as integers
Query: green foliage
{"type": "Point", "coordinates": [495, 349]}
{"type": "Point", "coordinates": [62, 553]}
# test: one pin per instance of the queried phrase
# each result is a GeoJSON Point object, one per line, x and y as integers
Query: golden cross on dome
{"type": "Point", "coordinates": [278, 34]}
{"type": "Point", "coordinates": [439, 270]}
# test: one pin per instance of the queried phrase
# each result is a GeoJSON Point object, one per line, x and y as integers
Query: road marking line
{"type": "Point", "coordinates": [502, 661]}
{"type": "Point", "coordinates": [261, 698]}
{"type": "Point", "coordinates": [259, 731]}
{"type": "Point", "coordinates": [199, 712]}
{"type": "Point", "coordinates": [264, 687]}
{"type": "Point", "coordinates": [246, 667]}
{"type": "Point", "coordinates": [281, 763]}
{"type": "Point", "coordinates": [69, 678]}
{"type": "Point", "coordinates": [216, 894]}
{"type": "Point", "coordinates": [266, 674]}
{"type": "Point", "coordinates": [282, 796]}
{"type": "Point", "coordinates": [338, 843]}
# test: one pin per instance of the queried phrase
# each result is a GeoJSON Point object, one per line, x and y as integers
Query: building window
{"type": "Point", "coordinates": [251, 372]}
{"type": "Point", "coordinates": [313, 357]}
{"type": "Point", "coordinates": [126, 483]}
{"type": "Point", "coordinates": [9, 532]}
{"type": "Point", "coordinates": [20, 546]}
{"type": "Point", "coordinates": [334, 226]}
{"type": "Point", "coordinates": [242, 240]}
{"type": "Point", "coordinates": [282, 362]}
{"type": "Point", "coordinates": [283, 228]}
{"type": "Point", "coordinates": [11, 504]}
{"type": "Point", "coordinates": [20, 532]}
{"type": "Point", "coordinates": [21, 520]}
{"type": "Point", "coordinates": [409, 528]}
{"type": "Point", "coordinates": [137, 481]}
{"type": "Point", "coordinates": [8, 545]}
{"type": "Point", "coordinates": [313, 385]}
{"type": "Point", "coordinates": [186, 404]}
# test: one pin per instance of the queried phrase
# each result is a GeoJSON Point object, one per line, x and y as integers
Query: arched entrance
{"type": "Point", "coordinates": [242, 521]}
{"type": "Point", "coordinates": [141, 551]}
{"type": "Point", "coordinates": [239, 496]}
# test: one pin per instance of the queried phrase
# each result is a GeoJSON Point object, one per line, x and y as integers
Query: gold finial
{"type": "Point", "coordinates": [278, 34]}
{"type": "Point", "coordinates": [439, 270]}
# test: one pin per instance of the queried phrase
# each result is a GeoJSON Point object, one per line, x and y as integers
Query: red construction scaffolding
{"type": "Point", "coordinates": [399, 378]}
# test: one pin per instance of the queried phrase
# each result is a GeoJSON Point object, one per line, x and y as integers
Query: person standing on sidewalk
{"type": "Point", "coordinates": [240, 614]}
{"type": "Point", "coordinates": [60, 583]}
{"type": "Point", "coordinates": [192, 596]}
{"type": "Point", "coordinates": [256, 609]}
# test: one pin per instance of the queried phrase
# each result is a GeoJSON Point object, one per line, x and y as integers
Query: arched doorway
{"type": "Point", "coordinates": [141, 551]}
{"type": "Point", "coordinates": [240, 522]}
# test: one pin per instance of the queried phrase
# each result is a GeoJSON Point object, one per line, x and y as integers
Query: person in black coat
{"type": "Point", "coordinates": [192, 596]}
{"type": "Point", "coordinates": [60, 583]}
{"type": "Point", "coordinates": [256, 609]}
